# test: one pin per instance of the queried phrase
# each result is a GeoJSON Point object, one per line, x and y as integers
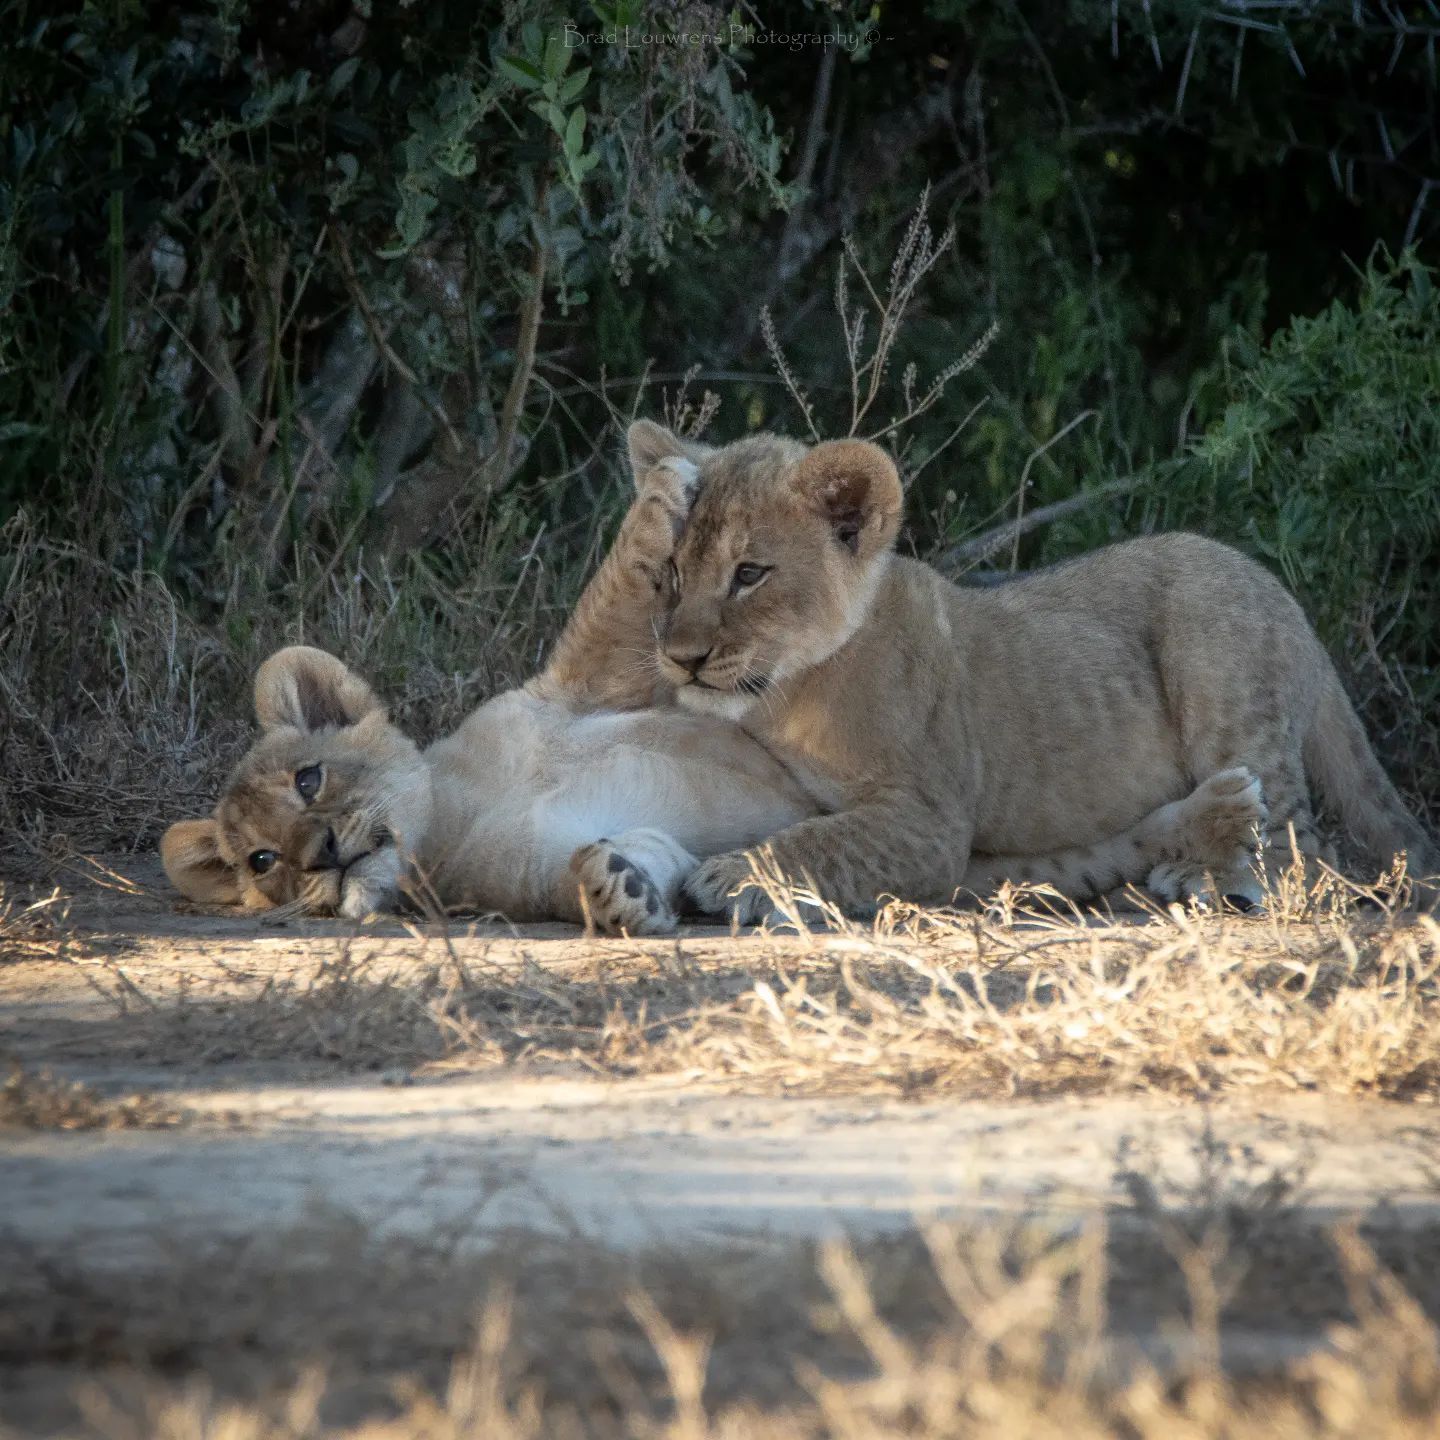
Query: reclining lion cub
{"type": "Point", "coordinates": [565, 785]}
{"type": "Point", "coordinates": [936, 721]}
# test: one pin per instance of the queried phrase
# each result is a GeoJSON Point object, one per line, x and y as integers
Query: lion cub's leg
{"type": "Point", "coordinates": [631, 883]}
{"type": "Point", "coordinates": [1208, 872]}
{"type": "Point", "coordinates": [1211, 831]}
{"type": "Point", "coordinates": [605, 656]}
{"type": "Point", "coordinates": [1271, 752]}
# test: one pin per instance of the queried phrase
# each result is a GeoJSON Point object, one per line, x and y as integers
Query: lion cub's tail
{"type": "Point", "coordinates": [1342, 764]}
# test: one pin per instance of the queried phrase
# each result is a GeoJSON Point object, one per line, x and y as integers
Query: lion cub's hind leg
{"type": "Point", "coordinates": [631, 882]}
{"type": "Point", "coordinates": [1211, 831]}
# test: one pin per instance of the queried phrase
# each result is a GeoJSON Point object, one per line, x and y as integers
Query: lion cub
{"type": "Point", "coordinates": [585, 794]}
{"type": "Point", "coordinates": [936, 721]}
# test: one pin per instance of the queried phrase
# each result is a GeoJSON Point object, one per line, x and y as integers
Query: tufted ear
{"type": "Point", "coordinates": [310, 690]}
{"type": "Point", "coordinates": [651, 444]}
{"type": "Point", "coordinates": [855, 485]}
{"type": "Point", "coordinates": [190, 852]}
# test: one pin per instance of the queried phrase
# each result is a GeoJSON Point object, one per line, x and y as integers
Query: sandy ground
{"type": "Point", "coordinates": [623, 1161]}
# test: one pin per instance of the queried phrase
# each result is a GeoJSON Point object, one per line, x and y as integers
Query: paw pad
{"type": "Point", "coordinates": [621, 896]}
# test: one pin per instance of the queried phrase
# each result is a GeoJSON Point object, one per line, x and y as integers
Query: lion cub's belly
{"type": "Point", "coordinates": [523, 784]}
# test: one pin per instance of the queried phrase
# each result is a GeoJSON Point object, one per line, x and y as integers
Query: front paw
{"type": "Point", "coordinates": [674, 482]}
{"type": "Point", "coordinates": [655, 523]}
{"type": "Point", "coordinates": [364, 900]}
{"type": "Point", "coordinates": [663, 499]}
{"type": "Point", "coordinates": [371, 885]}
{"type": "Point", "coordinates": [725, 885]}
{"type": "Point", "coordinates": [1182, 881]}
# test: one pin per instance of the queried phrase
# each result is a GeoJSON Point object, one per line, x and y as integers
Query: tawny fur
{"type": "Point", "coordinates": [937, 721]}
{"type": "Point", "coordinates": [583, 794]}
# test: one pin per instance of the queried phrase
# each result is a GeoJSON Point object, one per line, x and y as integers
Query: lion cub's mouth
{"type": "Point", "coordinates": [745, 685]}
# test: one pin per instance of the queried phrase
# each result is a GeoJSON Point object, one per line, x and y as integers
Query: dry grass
{"type": "Point", "coordinates": [1124, 1327]}
{"type": "Point", "coordinates": [31, 929]}
{"type": "Point", "coordinates": [919, 1003]}
{"type": "Point", "coordinates": [120, 709]}
{"type": "Point", "coordinates": [43, 1102]}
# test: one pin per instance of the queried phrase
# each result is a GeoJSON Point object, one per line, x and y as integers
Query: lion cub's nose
{"type": "Point", "coordinates": [326, 855]}
{"type": "Point", "coordinates": [690, 663]}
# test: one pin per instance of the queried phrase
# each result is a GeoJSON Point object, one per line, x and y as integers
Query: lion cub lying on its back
{"type": "Point", "coordinates": [588, 782]}
{"type": "Point", "coordinates": [1016, 720]}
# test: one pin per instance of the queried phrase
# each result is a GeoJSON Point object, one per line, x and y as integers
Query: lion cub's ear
{"type": "Point", "coordinates": [651, 444]}
{"type": "Point", "coordinates": [190, 852]}
{"type": "Point", "coordinates": [310, 690]}
{"type": "Point", "coordinates": [855, 485]}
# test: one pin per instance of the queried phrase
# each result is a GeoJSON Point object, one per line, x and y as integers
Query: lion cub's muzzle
{"type": "Point", "coordinates": [329, 859]}
{"type": "Point", "coordinates": [725, 675]}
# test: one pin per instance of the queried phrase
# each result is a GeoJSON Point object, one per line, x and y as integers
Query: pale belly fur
{"type": "Point", "coordinates": [524, 783]}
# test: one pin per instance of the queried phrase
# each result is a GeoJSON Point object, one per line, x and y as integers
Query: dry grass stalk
{"type": "Point", "coordinates": [31, 929]}
{"type": "Point", "coordinates": [867, 358]}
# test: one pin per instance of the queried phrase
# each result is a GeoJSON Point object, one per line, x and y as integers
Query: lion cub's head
{"type": "Point", "coordinates": [777, 564]}
{"type": "Point", "coordinates": [323, 810]}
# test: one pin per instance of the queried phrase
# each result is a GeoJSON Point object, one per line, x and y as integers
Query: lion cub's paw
{"type": "Point", "coordinates": [725, 885]}
{"type": "Point", "coordinates": [1211, 842]}
{"type": "Point", "coordinates": [1218, 821]}
{"type": "Point", "coordinates": [668, 491]}
{"type": "Point", "coordinates": [658, 517]}
{"type": "Point", "coordinates": [1177, 881]}
{"type": "Point", "coordinates": [621, 896]}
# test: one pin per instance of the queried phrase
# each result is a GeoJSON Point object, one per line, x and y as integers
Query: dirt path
{"type": "Point", "coordinates": [649, 1162]}
{"type": "Point", "coordinates": [553, 1147]}
{"type": "Point", "coordinates": [306, 1145]}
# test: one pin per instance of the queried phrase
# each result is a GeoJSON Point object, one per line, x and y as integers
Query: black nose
{"type": "Point", "coordinates": [330, 853]}
{"type": "Point", "coordinates": [692, 663]}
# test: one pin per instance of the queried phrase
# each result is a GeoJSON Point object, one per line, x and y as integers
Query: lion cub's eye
{"type": "Point", "coordinates": [308, 782]}
{"type": "Point", "coordinates": [262, 861]}
{"type": "Point", "coordinates": [747, 575]}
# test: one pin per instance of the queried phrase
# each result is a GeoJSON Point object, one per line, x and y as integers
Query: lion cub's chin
{"type": "Point", "coordinates": [726, 704]}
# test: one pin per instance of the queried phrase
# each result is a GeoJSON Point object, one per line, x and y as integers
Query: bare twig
{"type": "Point", "coordinates": [1024, 485]}
{"type": "Point", "coordinates": [380, 337]}
{"type": "Point", "coordinates": [805, 170]}
{"type": "Point", "coordinates": [981, 547]}
{"type": "Point", "coordinates": [500, 468]}
{"type": "Point", "coordinates": [236, 422]}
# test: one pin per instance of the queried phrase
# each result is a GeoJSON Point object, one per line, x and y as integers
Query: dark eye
{"type": "Point", "coordinates": [308, 782]}
{"type": "Point", "coordinates": [747, 575]}
{"type": "Point", "coordinates": [262, 861]}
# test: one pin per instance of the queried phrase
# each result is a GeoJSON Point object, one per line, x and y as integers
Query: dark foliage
{"type": "Point", "coordinates": [348, 298]}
